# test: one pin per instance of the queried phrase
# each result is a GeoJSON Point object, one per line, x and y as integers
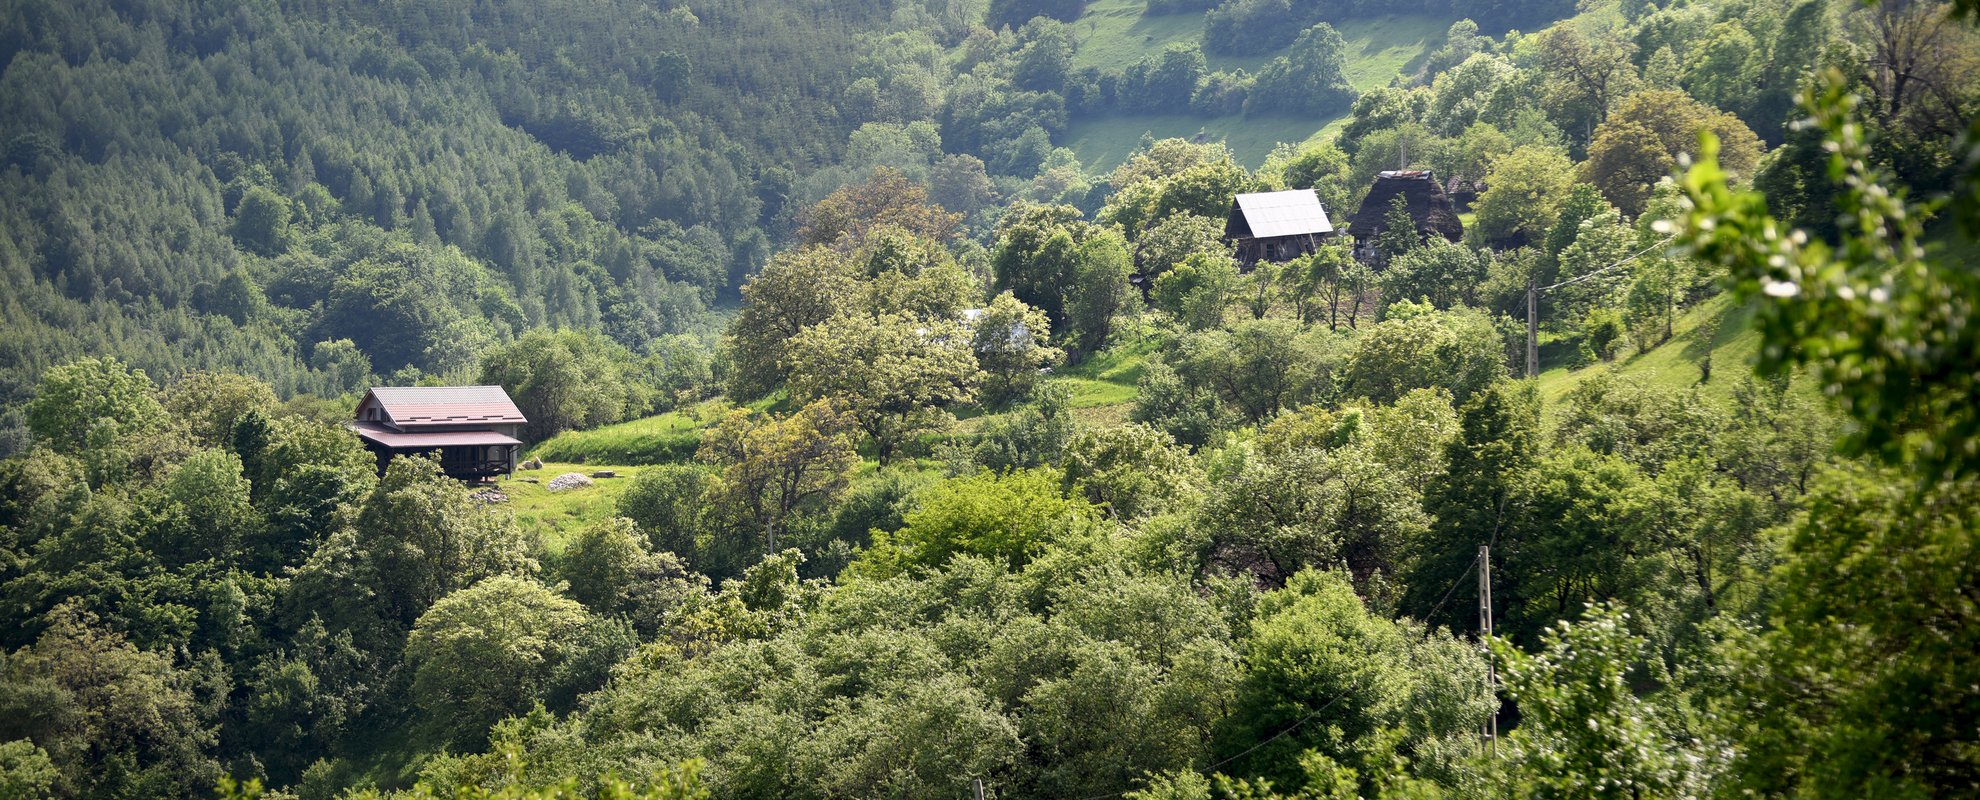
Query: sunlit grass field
{"type": "Point", "coordinates": [1102, 143]}
{"type": "Point", "coordinates": [1115, 33]}
{"type": "Point", "coordinates": [1675, 364]}
{"type": "Point", "coordinates": [660, 439]}
{"type": "Point", "coordinates": [556, 516]}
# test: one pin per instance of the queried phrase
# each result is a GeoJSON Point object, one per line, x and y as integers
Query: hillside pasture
{"type": "Point", "coordinates": [1115, 33]}
{"type": "Point", "coordinates": [556, 516]}
{"type": "Point", "coordinates": [664, 439]}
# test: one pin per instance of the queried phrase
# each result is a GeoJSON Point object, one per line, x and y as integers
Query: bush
{"type": "Point", "coordinates": [666, 503]}
{"type": "Point", "coordinates": [1605, 332]}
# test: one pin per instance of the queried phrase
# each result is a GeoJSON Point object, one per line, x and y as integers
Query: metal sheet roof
{"type": "Point", "coordinates": [1288, 213]}
{"type": "Point", "coordinates": [447, 405]}
{"type": "Point", "coordinates": [398, 440]}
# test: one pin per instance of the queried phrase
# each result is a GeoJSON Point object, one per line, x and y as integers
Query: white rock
{"type": "Point", "coordinates": [568, 480]}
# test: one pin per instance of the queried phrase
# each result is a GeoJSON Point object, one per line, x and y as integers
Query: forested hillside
{"type": "Point", "coordinates": [311, 192]}
{"type": "Point", "coordinates": [876, 446]}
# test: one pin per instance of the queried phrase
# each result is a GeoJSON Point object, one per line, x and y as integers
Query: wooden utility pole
{"type": "Point", "coordinates": [1533, 304]}
{"type": "Point", "coordinates": [1532, 328]}
{"type": "Point", "coordinates": [1489, 731]}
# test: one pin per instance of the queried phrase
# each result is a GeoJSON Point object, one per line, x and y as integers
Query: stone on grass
{"type": "Point", "coordinates": [568, 480]}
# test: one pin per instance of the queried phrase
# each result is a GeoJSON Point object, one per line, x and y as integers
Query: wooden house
{"type": "Point", "coordinates": [1429, 207]}
{"type": "Point", "coordinates": [472, 428]}
{"type": "Point", "coordinates": [1463, 193]}
{"type": "Point", "coordinates": [1276, 226]}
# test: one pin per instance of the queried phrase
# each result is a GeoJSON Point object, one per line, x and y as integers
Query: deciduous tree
{"type": "Point", "coordinates": [210, 404]}
{"type": "Point", "coordinates": [261, 223]}
{"type": "Point", "coordinates": [1387, 691]}
{"type": "Point", "coordinates": [488, 651]}
{"type": "Point", "coordinates": [1523, 194]}
{"type": "Point", "coordinates": [1642, 140]}
{"type": "Point", "coordinates": [416, 538]}
{"type": "Point", "coordinates": [1307, 79]}
{"type": "Point", "coordinates": [566, 380]}
{"type": "Point", "coordinates": [796, 290]}
{"type": "Point", "coordinates": [894, 375]}
{"type": "Point", "coordinates": [887, 198]}
{"type": "Point", "coordinates": [667, 503]}
{"type": "Point", "coordinates": [1010, 340]}
{"type": "Point", "coordinates": [1458, 350]}
{"type": "Point", "coordinates": [114, 719]}
{"type": "Point", "coordinates": [76, 398]}
{"type": "Point", "coordinates": [1174, 240]}
{"type": "Point", "coordinates": [771, 469]}
{"type": "Point", "coordinates": [1583, 732]}
{"type": "Point", "coordinates": [1009, 518]}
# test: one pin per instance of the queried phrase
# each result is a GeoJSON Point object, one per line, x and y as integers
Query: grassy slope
{"type": "Point", "coordinates": [556, 516]}
{"type": "Point", "coordinates": [1102, 143]}
{"type": "Point", "coordinates": [665, 438]}
{"type": "Point", "coordinates": [625, 448]}
{"type": "Point", "coordinates": [1674, 364]}
{"type": "Point", "coordinates": [1114, 33]}
{"type": "Point", "coordinates": [668, 438]}
{"type": "Point", "coordinates": [1104, 386]}
{"type": "Point", "coordinates": [1382, 48]}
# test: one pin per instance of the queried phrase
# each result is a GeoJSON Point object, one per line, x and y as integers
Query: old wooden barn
{"type": "Point", "coordinates": [1276, 226]}
{"type": "Point", "coordinates": [1430, 209]}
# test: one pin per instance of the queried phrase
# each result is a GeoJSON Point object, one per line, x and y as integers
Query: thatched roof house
{"type": "Point", "coordinates": [1428, 205]}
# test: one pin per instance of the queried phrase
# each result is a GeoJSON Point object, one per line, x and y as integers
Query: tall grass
{"type": "Point", "coordinates": [666, 439]}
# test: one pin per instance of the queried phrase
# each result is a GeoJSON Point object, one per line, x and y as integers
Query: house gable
{"type": "Point", "coordinates": [410, 408]}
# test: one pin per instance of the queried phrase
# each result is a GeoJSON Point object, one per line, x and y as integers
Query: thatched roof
{"type": "Point", "coordinates": [1427, 203]}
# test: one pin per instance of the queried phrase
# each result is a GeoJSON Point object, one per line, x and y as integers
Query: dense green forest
{"type": "Point", "coordinates": [928, 460]}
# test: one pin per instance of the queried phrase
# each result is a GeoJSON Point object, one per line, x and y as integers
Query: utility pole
{"type": "Point", "coordinates": [1490, 729]}
{"type": "Point", "coordinates": [1532, 328]}
{"type": "Point", "coordinates": [1533, 304]}
{"type": "Point", "coordinates": [979, 789]}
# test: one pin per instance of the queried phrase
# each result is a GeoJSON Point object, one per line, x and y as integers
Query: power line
{"type": "Point", "coordinates": [1352, 685]}
{"type": "Point", "coordinates": [1627, 259]}
{"type": "Point", "coordinates": [1427, 618]}
{"type": "Point", "coordinates": [1533, 303]}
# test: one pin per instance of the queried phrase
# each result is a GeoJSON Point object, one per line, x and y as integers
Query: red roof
{"type": "Point", "coordinates": [396, 440]}
{"type": "Point", "coordinates": [411, 406]}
